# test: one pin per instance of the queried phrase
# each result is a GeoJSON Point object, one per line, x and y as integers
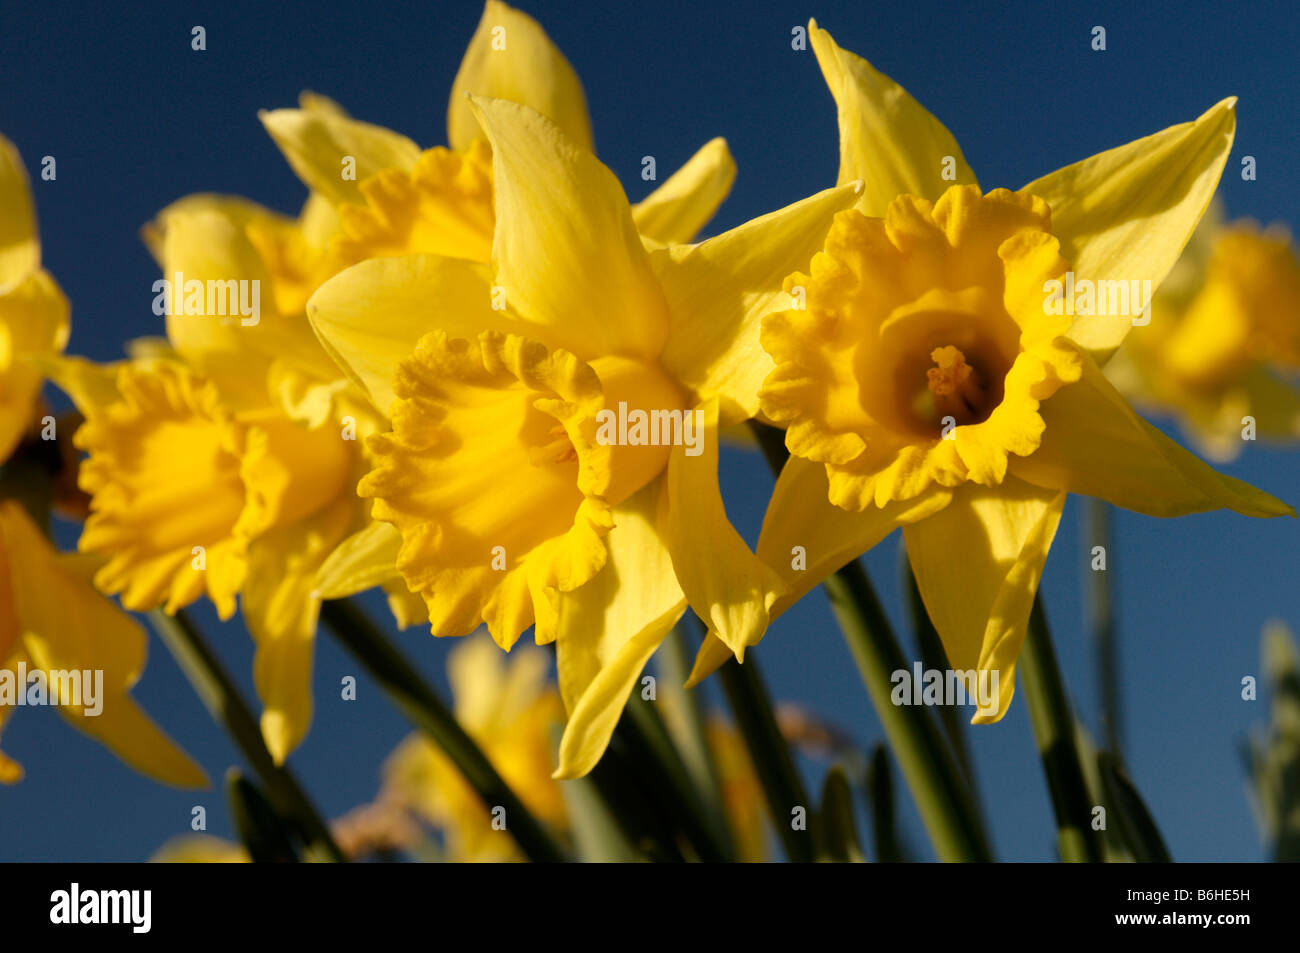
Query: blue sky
{"type": "Point", "coordinates": [136, 119]}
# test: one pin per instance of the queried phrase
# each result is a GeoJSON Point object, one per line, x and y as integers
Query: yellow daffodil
{"type": "Point", "coordinates": [1222, 351]}
{"type": "Point", "coordinates": [374, 193]}
{"type": "Point", "coordinates": [52, 621]}
{"type": "Point", "coordinates": [510, 710]}
{"type": "Point", "coordinates": [189, 497]}
{"type": "Point", "coordinates": [516, 500]}
{"type": "Point", "coordinates": [927, 377]}
{"type": "Point", "coordinates": [33, 311]}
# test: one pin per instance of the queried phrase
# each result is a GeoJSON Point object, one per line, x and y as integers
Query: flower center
{"type": "Point", "coordinates": [957, 389]}
{"type": "Point", "coordinates": [557, 449]}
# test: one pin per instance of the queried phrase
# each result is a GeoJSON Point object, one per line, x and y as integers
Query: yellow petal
{"type": "Point", "coordinates": [678, 209]}
{"type": "Point", "coordinates": [208, 245]}
{"type": "Point", "coordinates": [609, 628]}
{"type": "Point", "coordinates": [281, 609]}
{"type": "Point", "coordinates": [511, 57]}
{"type": "Point", "coordinates": [87, 383]}
{"type": "Point", "coordinates": [887, 138]}
{"type": "Point", "coordinates": [1095, 444]}
{"type": "Point", "coordinates": [805, 538]}
{"type": "Point", "coordinates": [719, 291]}
{"type": "Point", "coordinates": [726, 584]}
{"type": "Point", "coordinates": [566, 251]}
{"type": "Point", "coordinates": [977, 564]}
{"type": "Point", "coordinates": [366, 559]}
{"type": "Point", "coordinates": [370, 316]}
{"type": "Point", "coordinates": [33, 329]}
{"type": "Point", "coordinates": [20, 248]}
{"type": "Point", "coordinates": [1126, 214]}
{"type": "Point", "coordinates": [68, 626]}
{"type": "Point", "coordinates": [236, 209]}
{"type": "Point", "coordinates": [316, 143]}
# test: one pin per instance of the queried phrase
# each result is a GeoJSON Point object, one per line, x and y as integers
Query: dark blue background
{"type": "Point", "coordinates": [137, 119]}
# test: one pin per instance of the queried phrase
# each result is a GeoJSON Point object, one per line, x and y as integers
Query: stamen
{"type": "Point", "coordinates": [955, 385]}
{"type": "Point", "coordinates": [559, 449]}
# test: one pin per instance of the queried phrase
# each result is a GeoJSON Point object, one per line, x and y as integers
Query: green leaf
{"type": "Point", "coordinates": [1136, 826]}
{"type": "Point", "coordinates": [838, 829]}
{"type": "Point", "coordinates": [880, 790]}
{"type": "Point", "coordinates": [262, 831]}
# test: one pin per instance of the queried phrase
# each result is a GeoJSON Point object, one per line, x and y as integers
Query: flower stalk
{"type": "Point", "coordinates": [1049, 711]}
{"type": "Point", "coordinates": [941, 794]}
{"type": "Point", "coordinates": [418, 703]}
{"type": "Point", "coordinates": [217, 691]}
{"type": "Point", "coordinates": [782, 787]}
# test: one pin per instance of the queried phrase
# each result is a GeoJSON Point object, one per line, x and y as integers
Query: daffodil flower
{"type": "Point", "coordinates": [33, 311]}
{"type": "Point", "coordinates": [510, 710]}
{"type": "Point", "coordinates": [927, 378]}
{"type": "Point", "coordinates": [51, 618]}
{"type": "Point", "coordinates": [513, 509]}
{"type": "Point", "coordinates": [190, 498]}
{"type": "Point", "coordinates": [1221, 353]}
{"type": "Point", "coordinates": [373, 194]}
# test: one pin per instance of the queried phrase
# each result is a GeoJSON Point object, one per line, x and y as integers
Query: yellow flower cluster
{"type": "Point", "coordinates": [417, 388]}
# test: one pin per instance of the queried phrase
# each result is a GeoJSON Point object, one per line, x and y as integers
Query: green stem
{"type": "Point", "coordinates": [933, 777]}
{"type": "Point", "coordinates": [219, 695]}
{"type": "Point", "coordinates": [1049, 711]}
{"type": "Point", "coordinates": [1101, 599]}
{"type": "Point", "coordinates": [782, 787]}
{"type": "Point", "coordinates": [934, 657]}
{"type": "Point", "coordinates": [417, 702]}
{"type": "Point", "coordinates": [692, 729]}
{"type": "Point", "coordinates": [941, 794]}
{"type": "Point", "coordinates": [644, 730]}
